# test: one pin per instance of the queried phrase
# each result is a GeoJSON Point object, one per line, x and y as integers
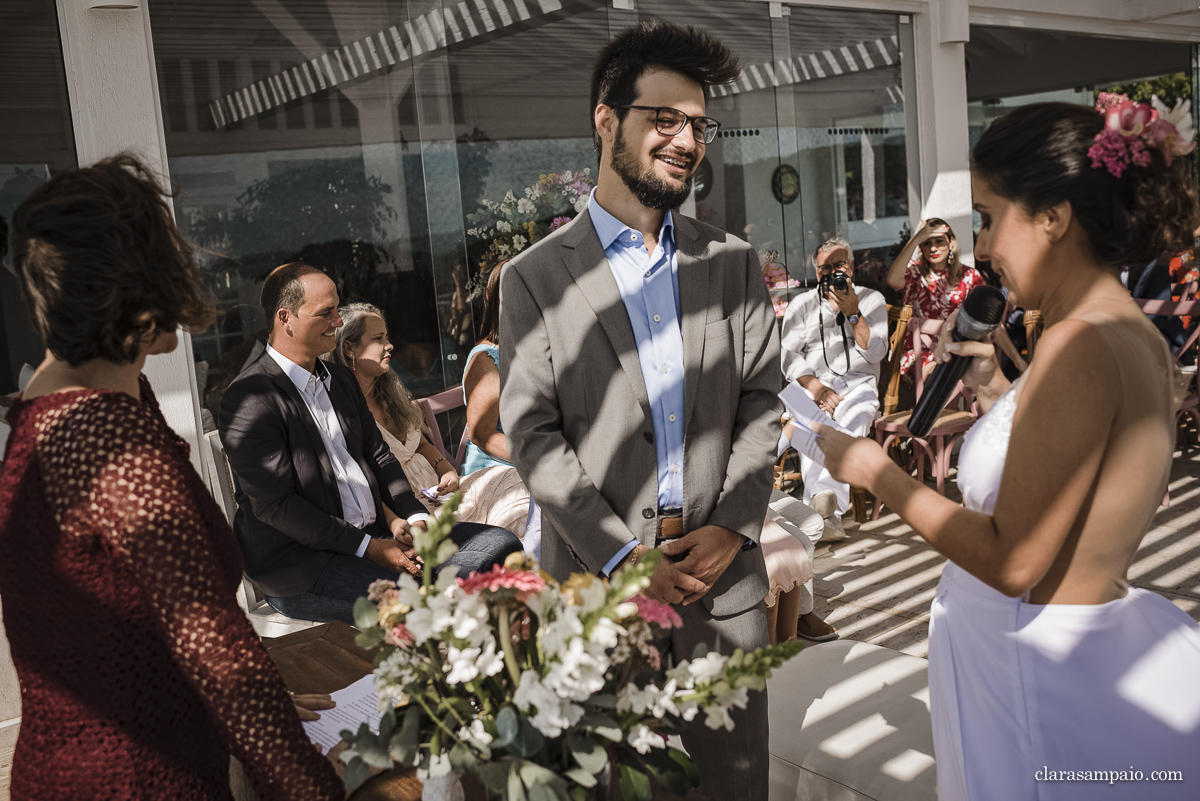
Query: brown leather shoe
{"type": "Point", "coordinates": [812, 628]}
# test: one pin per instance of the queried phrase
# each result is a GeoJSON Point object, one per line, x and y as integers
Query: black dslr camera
{"type": "Point", "coordinates": [836, 280]}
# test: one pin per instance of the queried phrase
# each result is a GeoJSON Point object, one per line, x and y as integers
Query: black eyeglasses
{"type": "Point", "coordinates": [670, 121]}
{"type": "Point", "coordinates": [841, 264]}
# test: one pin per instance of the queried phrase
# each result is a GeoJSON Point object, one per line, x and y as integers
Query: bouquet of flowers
{"type": "Point", "coordinates": [515, 223]}
{"type": "Point", "coordinates": [537, 688]}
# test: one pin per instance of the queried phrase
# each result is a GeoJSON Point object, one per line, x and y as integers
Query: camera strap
{"type": "Point", "coordinates": [840, 321]}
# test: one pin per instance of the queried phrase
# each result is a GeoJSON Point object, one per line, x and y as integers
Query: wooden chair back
{"type": "Point", "coordinates": [898, 320]}
{"type": "Point", "coordinates": [431, 406]}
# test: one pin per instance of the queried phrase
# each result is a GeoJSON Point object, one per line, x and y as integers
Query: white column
{"type": "Point", "coordinates": [941, 77]}
{"type": "Point", "coordinates": [113, 89]}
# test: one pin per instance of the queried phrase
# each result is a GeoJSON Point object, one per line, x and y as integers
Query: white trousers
{"type": "Point", "coordinates": [802, 523]}
{"type": "Point", "coordinates": [856, 413]}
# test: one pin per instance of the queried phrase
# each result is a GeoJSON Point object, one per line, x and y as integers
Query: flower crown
{"type": "Point", "coordinates": [1132, 130]}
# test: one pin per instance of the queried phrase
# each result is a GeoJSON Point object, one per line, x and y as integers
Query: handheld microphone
{"type": "Point", "coordinates": [978, 317]}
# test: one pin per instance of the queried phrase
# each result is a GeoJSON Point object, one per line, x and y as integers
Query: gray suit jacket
{"type": "Point", "coordinates": [577, 417]}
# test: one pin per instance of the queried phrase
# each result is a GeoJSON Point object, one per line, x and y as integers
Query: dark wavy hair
{"type": "Point", "coordinates": [489, 326]}
{"type": "Point", "coordinates": [692, 52]}
{"type": "Point", "coordinates": [1037, 157]}
{"type": "Point", "coordinates": [101, 266]}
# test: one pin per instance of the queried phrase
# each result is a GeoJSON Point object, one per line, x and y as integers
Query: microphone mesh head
{"type": "Point", "coordinates": [985, 305]}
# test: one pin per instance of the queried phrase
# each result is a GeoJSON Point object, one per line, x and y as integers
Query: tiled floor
{"type": "Point", "coordinates": [877, 585]}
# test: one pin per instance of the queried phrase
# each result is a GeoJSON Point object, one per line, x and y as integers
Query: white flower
{"type": "Point", "coordinates": [658, 702]}
{"type": "Point", "coordinates": [581, 204]}
{"type": "Point", "coordinates": [604, 634]}
{"type": "Point", "coordinates": [509, 197]}
{"type": "Point", "coordinates": [490, 661]}
{"type": "Point", "coordinates": [504, 227]}
{"type": "Point", "coordinates": [525, 206]}
{"type": "Point", "coordinates": [708, 668]}
{"type": "Point", "coordinates": [478, 737]}
{"type": "Point", "coordinates": [470, 620]}
{"type": "Point", "coordinates": [554, 715]}
{"type": "Point", "coordinates": [503, 249]}
{"type": "Point", "coordinates": [1180, 116]}
{"type": "Point", "coordinates": [558, 633]}
{"type": "Point", "coordinates": [578, 674]}
{"type": "Point", "coordinates": [462, 664]}
{"type": "Point", "coordinates": [519, 242]}
{"type": "Point", "coordinates": [641, 738]}
{"type": "Point", "coordinates": [718, 717]}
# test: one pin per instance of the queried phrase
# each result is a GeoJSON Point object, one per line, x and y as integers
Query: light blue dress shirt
{"type": "Point", "coordinates": [649, 287]}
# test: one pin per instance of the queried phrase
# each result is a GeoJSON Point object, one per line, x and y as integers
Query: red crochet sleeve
{"type": "Point", "coordinates": [141, 497]}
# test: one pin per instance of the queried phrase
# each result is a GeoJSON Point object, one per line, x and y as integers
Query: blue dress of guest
{"type": "Point", "coordinates": [477, 458]}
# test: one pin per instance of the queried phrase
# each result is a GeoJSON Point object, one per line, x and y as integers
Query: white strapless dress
{"type": "Point", "coordinates": [1019, 689]}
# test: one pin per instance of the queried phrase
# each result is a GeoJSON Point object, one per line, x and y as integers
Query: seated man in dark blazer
{"type": "Point", "coordinates": [322, 502]}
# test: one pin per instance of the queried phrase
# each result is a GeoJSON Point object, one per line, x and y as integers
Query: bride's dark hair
{"type": "Point", "coordinates": [1037, 157]}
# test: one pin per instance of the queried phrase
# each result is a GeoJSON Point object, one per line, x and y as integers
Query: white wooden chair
{"type": "Point", "coordinates": [266, 621]}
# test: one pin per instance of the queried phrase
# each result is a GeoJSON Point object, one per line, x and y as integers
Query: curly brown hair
{"type": "Point", "coordinates": [101, 266]}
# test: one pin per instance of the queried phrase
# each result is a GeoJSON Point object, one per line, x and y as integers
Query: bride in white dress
{"type": "Point", "coordinates": [1050, 677]}
{"type": "Point", "coordinates": [494, 496]}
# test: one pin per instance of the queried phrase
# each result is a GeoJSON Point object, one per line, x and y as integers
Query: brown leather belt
{"type": "Point", "coordinates": [670, 528]}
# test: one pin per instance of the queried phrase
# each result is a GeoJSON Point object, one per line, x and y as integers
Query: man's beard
{"type": "Point", "coordinates": [650, 190]}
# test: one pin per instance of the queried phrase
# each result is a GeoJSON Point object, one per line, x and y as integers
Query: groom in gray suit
{"type": "Point", "coordinates": [639, 362]}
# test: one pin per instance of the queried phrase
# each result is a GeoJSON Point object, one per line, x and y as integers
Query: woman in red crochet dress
{"type": "Point", "coordinates": [139, 674]}
{"type": "Point", "coordinates": [933, 278]}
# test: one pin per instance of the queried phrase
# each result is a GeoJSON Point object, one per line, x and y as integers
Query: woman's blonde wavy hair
{"type": "Point", "coordinates": [401, 414]}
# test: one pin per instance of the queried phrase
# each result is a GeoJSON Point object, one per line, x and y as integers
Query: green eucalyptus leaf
{"type": "Point", "coordinates": [581, 777]}
{"type": "Point", "coordinates": [507, 727]}
{"type": "Point", "coordinates": [534, 775]}
{"type": "Point", "coordinates": [369, 638]}
{"type": "Point", "coordinates": [365, 614]}
{"type": "Point", "coordinates": [545, 792]}
{"type": "Point", "coordinates": [528, 740]}
{"type": "Point", "coordinates": [463, 759]}
{"type": "Point", "coordinates": [494, 776]}
{"type": "Point", "coordinates": [602, 725]}
{"type": "Point", "coordinates": [590, 755]}
{"type": "Point", "coordinates": [356, 773]}
{"type": "Point", "coordinates": [635, 785]}
{"type": "Point", "coordinates": [371, 748]}
{"type": "Point", "coordinates": [405, 743]}
{"type": "Point", "coordinates": [579, 794]}
{"type": "Point", "coordinates": [666, 771]}
{"type": "Point", "coordinates": [516, 790]}
{"type": "Point", "coordinates": [387, 724]}
{"type": "Point", "coordinates": [685, 762]}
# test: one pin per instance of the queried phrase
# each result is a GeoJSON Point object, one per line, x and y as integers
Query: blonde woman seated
{"type": "Point", "coordinates": [494, 496]}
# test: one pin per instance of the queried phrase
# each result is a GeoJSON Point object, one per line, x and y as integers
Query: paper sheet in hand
{"type": "Point", "coordinates": [806, 413]}
{"type": "Point", "coordinates": [356, 704]}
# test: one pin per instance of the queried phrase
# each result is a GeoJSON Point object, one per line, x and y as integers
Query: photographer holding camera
{"type": "Point", "coordinates": [834, 340]}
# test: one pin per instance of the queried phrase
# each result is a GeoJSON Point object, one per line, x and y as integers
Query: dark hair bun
{"type": "Point", "coordinates": [1037, 156]}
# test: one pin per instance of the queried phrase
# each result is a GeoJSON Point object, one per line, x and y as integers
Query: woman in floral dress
{"type": "Point", "coordinates": [933, 278]}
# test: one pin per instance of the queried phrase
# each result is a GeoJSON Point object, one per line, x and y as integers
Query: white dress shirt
{"type": "Point", "coordinates": [809, 321]}
{"type": "Point", "coordinates": [358, 505]}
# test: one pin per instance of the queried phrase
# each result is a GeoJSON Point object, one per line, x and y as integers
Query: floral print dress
{"type": "Point", "coordinates": [934, 299]}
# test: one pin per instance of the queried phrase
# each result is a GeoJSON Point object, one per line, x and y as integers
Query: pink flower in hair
{"type": "Point", "coordinates": [657, 612]}
{"type": "Point", "coordinates": [498, 578]}
{"type": "Point", "coordinates": [1128, 118]}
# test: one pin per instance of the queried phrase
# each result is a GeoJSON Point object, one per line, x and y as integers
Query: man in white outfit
{"type": "Point", "coordinates": [832, 346]}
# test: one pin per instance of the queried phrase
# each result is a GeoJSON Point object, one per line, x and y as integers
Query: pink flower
{"type": "Point", "coordinates": [1116, 153]}
{"type": "Point", "coordinates": [523, 581]}
{"type": "Point", "coordinates": [1128, 118]}
{"type": "Point", "coordinates": [558, 222]}
{"type": "Point", "coordinates": [399, 635]}
{"type": "Point", "coordinates": [657, 612]}
{"type": "Point", "coordinates": [376, 590]}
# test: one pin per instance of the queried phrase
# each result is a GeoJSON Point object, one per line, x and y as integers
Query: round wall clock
{"type": "Point", "coordinates": [785, 183]}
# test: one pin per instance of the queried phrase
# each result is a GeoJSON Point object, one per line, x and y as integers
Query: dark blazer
{"type": "Point", "coordinates": [289, 517]}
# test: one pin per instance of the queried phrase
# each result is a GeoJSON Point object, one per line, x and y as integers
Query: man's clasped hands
{"type": "Point", "coordinates": [691, 564]}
